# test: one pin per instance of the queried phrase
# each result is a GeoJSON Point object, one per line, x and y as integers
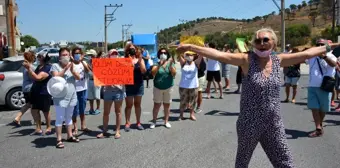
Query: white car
{"type": "Point", "coordinates": [52, 52]}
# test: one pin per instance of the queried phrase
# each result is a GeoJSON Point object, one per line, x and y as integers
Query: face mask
{"type": "Point", "coordinates": [188, 58]}
{"type": "Point", "coordinates": [262, 54]}
{"type": "Point", "coordinates": [76, 57]}
{"type": "Point", "coordinates": [163, 57]}
{"type": "Point", "coordinates": [132, 51]}
{"type": "Point", "coordinates": [65, 60]}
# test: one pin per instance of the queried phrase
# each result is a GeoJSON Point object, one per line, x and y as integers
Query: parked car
{"type": "Point", "coordinates": [11, 71]}
{"type": "Point", "coordinates": [52, 52]}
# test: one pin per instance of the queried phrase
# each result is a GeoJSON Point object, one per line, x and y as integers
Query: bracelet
{"type": "Point", "coordinates": [328, 48]}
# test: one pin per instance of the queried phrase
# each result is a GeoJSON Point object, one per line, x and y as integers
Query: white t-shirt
{"type": "Point", "coordinates": [315, 76]}
{"type": "Point", "coordinates": [82, 83]}
{"type": "Point", "coordinates": [213, 65]}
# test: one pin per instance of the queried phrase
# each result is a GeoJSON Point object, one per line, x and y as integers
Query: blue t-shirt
{"type": "Point", "coordinates": [27, 81]}
{"type": "Point", "coordinates": [40, 87]}
{"type": "Point", "coordinates": [146, 61]}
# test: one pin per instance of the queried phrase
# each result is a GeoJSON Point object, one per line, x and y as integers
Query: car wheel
{"type": "Point", "coordinates": [15, 98]}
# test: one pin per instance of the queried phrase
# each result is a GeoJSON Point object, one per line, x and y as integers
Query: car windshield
{"type": "Point", "coordinates": [7, 66]}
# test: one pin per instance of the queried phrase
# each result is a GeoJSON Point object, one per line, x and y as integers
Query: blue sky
{"type": "Point", "coordinates": [83, 20]}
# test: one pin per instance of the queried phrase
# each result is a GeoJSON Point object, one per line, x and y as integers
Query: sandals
{"type": "Point", "coordinates": [73, 139]}
{"type": "Point", "coordinates": [316, 133]}
{"type": "Point", "coordinates": [48, 132]}
{"type": "Point", "coordinates": [117, 136]}
{"type": "Point", "coordinates": [16, 123]}
{"type": "Point", "coordinates": [86, 130]}
{"type": "Point", "coordinates": [102, 135]}
{"type": "Point", "coordinates": [59, 145]}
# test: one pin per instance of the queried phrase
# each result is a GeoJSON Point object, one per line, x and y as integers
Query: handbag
{"type": "Point", "coordinates": [328, 82]}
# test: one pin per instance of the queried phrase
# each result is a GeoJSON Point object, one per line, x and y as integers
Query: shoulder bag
{"type": "Point", "coordinates": [328, 82]}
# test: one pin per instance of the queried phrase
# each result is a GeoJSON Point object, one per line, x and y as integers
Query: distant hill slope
{"type": "Point", "coordinates": [204, 26]}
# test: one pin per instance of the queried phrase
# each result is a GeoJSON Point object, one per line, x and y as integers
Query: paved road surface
{"type": "Point", "coordinates": [208, 142]}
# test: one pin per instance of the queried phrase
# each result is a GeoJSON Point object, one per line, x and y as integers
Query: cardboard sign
{"type": "Point", "coordinates": [196, 40]}
{"type": "Point", "coordinates": [241, 44]}
{"type": "Point", "coordinates": [112, 71]}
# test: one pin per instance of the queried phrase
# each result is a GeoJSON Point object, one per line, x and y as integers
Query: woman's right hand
{"type": "Point", "coordinates": [67, 66]}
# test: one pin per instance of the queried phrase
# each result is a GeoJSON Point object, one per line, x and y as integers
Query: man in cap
{"type": "Point", "coordinates": [93, 92]}
{"type": "Point", "coordinates": [319, 99]}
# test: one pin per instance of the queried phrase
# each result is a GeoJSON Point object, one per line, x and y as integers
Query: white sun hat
{"type": "Point", "coordinates": [57, 87]}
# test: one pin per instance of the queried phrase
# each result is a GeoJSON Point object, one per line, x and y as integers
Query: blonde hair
{"type": "Point", "coordinates": [267, 30]}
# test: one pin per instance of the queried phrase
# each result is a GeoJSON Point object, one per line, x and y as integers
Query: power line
{"type": "Point", "coordinates": [125, 28]}
{"type": "Point", "coordinates": [108, 19]}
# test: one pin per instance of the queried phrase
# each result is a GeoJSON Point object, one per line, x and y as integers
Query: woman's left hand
{"type": "Point", "coordinates": [183, 48]}
{"type": "Point", "coordinates": [71, 67]}
{"type": "Point", "coordinates": [26, 64]}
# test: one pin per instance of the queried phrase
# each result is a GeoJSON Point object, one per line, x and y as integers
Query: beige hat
{"type": "Point", "coordinates": [91, 52]}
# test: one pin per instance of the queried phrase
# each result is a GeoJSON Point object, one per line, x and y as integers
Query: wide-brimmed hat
{"type": "Point", "coordinates": [57, 87]}
{"type": "Point", "coordinates": [190, 53]}
{"type": "Point", "coordinates": [91, 52]}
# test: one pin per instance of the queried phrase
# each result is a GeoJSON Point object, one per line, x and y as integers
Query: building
{"type": "Point", "coordinates": [3, 28]}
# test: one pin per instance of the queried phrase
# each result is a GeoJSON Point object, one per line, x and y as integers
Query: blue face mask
{"type": "Point", "coordinates": [76, 57]}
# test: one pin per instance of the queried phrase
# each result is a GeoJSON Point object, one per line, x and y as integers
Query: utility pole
{"type": "Point", "coordinates": [283, 29]}
{"type": "Point", "coordinates": [185, 21]}
{"type": "Point", "coordinates": [10, 27]}
{"type": "Point", "coordinates": [333, 19]}
{"type": "Point", "coordinates": [125, 28]}
{"type": "Point", "coordinates": [108, 18]}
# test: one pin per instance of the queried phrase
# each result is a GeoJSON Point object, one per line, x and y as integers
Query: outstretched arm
{"type": "Point", "coordinates": [295, 58]}
{"type": "Point", "coordinates": [238, 59]}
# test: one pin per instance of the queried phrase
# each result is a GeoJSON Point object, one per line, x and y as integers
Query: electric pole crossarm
{"type": "Point", "coordinates": [108, 19]}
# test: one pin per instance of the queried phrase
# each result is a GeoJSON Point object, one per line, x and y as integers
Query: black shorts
{"type": "Point", "coordinates": [41, 102]}
{"type": "Point", "coordinates": [213, 75]}
{"type": "Point", "coordinates": [239, 76]}
{"type": "Point", "coordinates": [27, 97]}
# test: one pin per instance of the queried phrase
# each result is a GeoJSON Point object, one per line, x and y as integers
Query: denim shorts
{"type": "Point", "coordinates": [319, 99]}
{"type": "Point", "coordinates": [113, 94]}
{"type": "Point", "coordinates": [135, 90]}
{"type": "Point", "coordinates": [292, 80]}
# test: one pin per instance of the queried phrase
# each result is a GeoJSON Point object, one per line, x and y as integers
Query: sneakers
{"type": "Point", "coordinates": [167, 125]}
{"type": "Point", "coordinates": [198, 110]}
{"type": "Point", "coordinates": [152, 125]}
{"type": "Point", "coordinates": [93, 112]}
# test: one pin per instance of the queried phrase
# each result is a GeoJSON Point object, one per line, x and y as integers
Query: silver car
{"type": "Point", "coordinates": [11, 78]}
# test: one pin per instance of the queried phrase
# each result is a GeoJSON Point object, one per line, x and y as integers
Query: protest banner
{"type": "Point", "coordinates": [241, 44]}
{"type": "Point", "coordinates": [112, 71]}
{"type": "Point", "coordinates": [196, 40]}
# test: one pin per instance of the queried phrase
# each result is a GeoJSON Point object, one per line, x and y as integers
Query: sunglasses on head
{"type": "Point", "coordinates": [163, 52]}
{"type": "Point", "coordinates": [260, 41]}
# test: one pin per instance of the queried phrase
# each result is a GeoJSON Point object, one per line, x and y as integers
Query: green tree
{"type": "Point", "coordinates": [288, 12]}
{"type": "Point", "coordinates": [299, 7]}
{"type": "Point", "coordinates": [293, 7]}
{"type": "Point", "coordinates": [312, 16]}
{"type": "Point", "coordinates": [29, 40]}
{"type": "Point", "coordinates": [303, 4]}
{"type": "Point", "coordinates": [298, 34]}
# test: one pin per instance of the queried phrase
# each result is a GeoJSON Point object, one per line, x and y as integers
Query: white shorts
{"type": "Point", "coordinates": [93, 92]}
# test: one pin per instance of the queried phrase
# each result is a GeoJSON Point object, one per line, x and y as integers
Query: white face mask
{"type": "Point", "coordinates": [188, 58]}
{"type": "Point", "coordinates": [163, 57]}
{"type": "Point", "coordinates": [65, 60]}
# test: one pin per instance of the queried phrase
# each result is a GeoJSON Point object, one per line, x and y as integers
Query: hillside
{"type": "Point", "coordinates": [295, 14]}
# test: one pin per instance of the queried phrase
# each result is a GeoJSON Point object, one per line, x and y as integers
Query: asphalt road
{"type": "Point", "coordinates": [211, 141]}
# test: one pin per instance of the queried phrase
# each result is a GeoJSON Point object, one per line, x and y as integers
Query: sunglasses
{"type": "Point", "coordinates": [320, 44]}
{"type": "Point", "coordinates": [163, 52]}
{"type": "Point", "coordinates": [188, 55]}
{"type": "Point", "coordinates": [262, 41]}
